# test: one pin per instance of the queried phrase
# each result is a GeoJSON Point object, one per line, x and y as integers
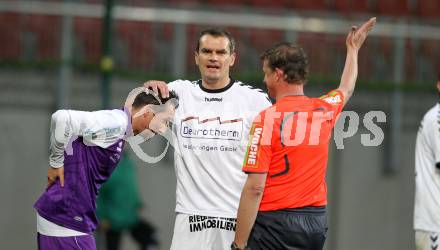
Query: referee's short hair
{"type": "Point", "coordinates": [216, 32]}
{"type": "Point", "coordinates": [291, 59]}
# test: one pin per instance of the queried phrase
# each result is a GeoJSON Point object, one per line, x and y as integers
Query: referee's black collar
{"type": "Point", "coordinates": [214, 91]}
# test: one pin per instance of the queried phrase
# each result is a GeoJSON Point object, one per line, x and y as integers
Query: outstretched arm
{"type": "Point", "coordinates": [355, 39]}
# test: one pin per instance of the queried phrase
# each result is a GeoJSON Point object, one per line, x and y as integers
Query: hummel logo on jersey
{"type": "Point", "coordinates": [213, 99]}
{"type": "Point", "coordinates": [253, 146]}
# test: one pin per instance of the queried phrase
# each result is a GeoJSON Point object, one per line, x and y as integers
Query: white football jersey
{"type": "Point", "coordinates": [427, 195]}
{"type": "Point", "coordinates": [211, 130]}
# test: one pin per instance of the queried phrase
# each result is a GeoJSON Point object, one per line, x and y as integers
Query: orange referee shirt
{"type": "Point", "coordinates": [289, 141]}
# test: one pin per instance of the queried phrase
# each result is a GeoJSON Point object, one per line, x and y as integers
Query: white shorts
{"type": "Point", "coordinates": [427, 240]}
{"type": "Point", "coordinates": [196, 232]}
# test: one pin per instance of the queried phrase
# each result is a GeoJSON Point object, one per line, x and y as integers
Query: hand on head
{"type": "Point", "coordinates": [158, 87]}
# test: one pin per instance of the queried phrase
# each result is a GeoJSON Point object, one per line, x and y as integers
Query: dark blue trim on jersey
{"type": "Point", "coordinates": [231, 82]}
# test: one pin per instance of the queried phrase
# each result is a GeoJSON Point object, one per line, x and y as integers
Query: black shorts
{"type": "Point", "coordinates": [290, 229]}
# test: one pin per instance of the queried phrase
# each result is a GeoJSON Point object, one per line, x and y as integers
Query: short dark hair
{"type": "Point", "coordinates": [145, 98]}
{"type": "Point", "coordinates": [216, 32]}
{"type": "Point", "coordinates": [290, 58]}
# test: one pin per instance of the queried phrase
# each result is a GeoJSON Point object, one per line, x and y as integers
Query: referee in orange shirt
{"type": "Point", "coordinates": [283, 203]}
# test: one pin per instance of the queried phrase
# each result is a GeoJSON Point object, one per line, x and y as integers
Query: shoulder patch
{"type": "Point", "coordinates": [251, 157]}
{"type": "Point", "coordinates": [332, 99]}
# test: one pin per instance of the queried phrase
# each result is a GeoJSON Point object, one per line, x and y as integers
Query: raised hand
{"type": "Point", "coordinates": [356, 37]}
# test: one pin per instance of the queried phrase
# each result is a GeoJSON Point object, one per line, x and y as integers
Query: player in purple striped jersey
{"type": "Point", "coordinates": [85, 148]}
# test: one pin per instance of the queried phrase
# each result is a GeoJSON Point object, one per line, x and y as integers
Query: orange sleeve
{"type": "Point", "coordinates": [258, 155]}
{"type": "Point", "coordinates": [336, 99]}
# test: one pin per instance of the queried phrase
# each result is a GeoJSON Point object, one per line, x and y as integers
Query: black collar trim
{"type": "Point", "coordinates": [231, 82]}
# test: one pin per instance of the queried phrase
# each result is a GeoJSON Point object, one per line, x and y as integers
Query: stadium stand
{"type": "Point", "coordinates": [10, 38]}
{"type": "Point", "coordinates": [351, 5]}
{"type": "Point", "coordinates": [88, 40]}
{"type": "Point", "coordinates": [307, 5]}
{"type": "Point", "coordinates": [393, 7]}
{"type": "Point", "coordinates": [40, 30]}
{"type": "Point", "coordinates": [428, 8]}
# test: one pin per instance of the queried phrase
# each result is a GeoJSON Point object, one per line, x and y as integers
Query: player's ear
{"type": "Point", "coordinates": [233, 55]}
{"type": "Point", "coordinates": [145, 111]}
{"type": "Point", "coordinates": [146, 114]}
{"type": "Point", "coordinates": [196, 57]}
{"type": "Point", "coordinates": [150, 110]}
{"type": "Point", "coordinates": [280, 73]}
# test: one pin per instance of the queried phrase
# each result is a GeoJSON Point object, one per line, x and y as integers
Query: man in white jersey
{"type": "Point", "coordinates": [211, 126]}
{"type": "Point", "coordinates": [427, 195]}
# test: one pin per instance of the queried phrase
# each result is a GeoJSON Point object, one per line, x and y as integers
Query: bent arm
{"type": "Point", "coordinates": [62, 129]}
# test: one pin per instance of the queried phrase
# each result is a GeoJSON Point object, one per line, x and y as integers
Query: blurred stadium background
{"type": "Point", "coordinates": [66, 54]}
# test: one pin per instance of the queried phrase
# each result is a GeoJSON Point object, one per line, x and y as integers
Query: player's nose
{"type": "Point", "coordinates": [214, 57]}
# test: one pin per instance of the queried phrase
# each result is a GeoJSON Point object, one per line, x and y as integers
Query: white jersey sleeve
{"type": "Point", "coordinates": [433, 136]}
{"type": "Point", "coordinates": [427, 193]}
{"type": "Point", "coordinates": [99, 128]}
{"type": "Point", "coordinates": [262, 101]}
{"type": "Point", "coordinates": [179, 86]}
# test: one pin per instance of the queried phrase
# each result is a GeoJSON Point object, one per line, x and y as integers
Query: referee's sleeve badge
{"type": "Point", "coordinates": [251, 157]}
